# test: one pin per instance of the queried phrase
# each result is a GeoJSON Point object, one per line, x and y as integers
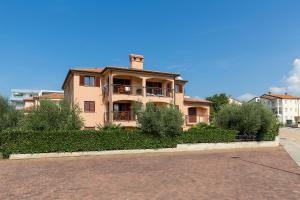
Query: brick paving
{"type": "Point", "coordinates": [267, 173]}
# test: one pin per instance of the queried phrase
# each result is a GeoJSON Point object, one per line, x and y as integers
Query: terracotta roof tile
{"type": "Point", "coordinates": [52, 96]}
{"type": "Point", "coordinates": [282, 96]}
{"type": "Point", "coordinates": [196, 100]}
{"type": "Point", "coordinates": [94, 70]}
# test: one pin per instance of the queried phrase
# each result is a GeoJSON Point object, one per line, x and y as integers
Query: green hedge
{"type": "Point", "coordinates": [118, 139]}
{"type": "Point", "coordinates": [71, 141]}
{"type": "Point", "coordinates": [207, 134]}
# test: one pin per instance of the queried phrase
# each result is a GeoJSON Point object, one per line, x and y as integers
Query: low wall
{"type": "Point", "coordinates": [179, 148]}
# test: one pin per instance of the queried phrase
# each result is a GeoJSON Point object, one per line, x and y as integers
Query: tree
{"type": "Point", "coordinates": [252, 119]}
{"type": "Point", "coordinates": [51, 116]}
{"type": "Point", "coordinates": [9, 116]}
{"type": "Point", "coordinates": [162, 121]}
{"type": "Point", "coordinates": [218, 100]}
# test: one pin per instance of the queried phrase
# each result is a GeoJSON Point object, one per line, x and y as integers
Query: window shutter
{"type": "Point", "coordinates": [81, 80]}
{"type": "Point", "coordinates": [92, 106]}
{"type": "Point", "coordinates": [180, 88]}
{"type": "Point", "coordinates": [97, 81]}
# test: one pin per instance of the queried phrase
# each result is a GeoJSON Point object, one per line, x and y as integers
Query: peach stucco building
{"type": "Point", "coordinates": [106, 95]}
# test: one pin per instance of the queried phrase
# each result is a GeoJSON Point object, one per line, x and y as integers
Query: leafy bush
{"type": "Point", "coordinates": [203, 133]}
{"type": "Point", "coordinates": [49, 116]}
{"type": "Point", "coordinates": [252, 119]}
{"type": "Point", "coordinates": [165, 120]}
{"type": "Point", "coordinates": [9, 116]}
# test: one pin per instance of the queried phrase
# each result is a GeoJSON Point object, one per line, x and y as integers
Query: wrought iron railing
{"type": "Point", "coordinates": [138, 90]}
{"type": "Point", "coordinates": [127, 89]}
{"type": "Point", "coordinates": [194, 119]}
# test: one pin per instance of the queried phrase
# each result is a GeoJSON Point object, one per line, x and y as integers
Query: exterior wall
{"type": "Point", "coordinates": [290, 109]}
{"type": "Point", "coordinates": [84, 93]}
{"type": "Point", "coordinates": [69, 90]}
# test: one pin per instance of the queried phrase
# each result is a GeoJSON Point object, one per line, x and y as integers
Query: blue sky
{"type": "Point", "coordinates": [235, 47]}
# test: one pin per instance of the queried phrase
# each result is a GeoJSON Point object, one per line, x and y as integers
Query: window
{"type": "Point", "coordinates": [89, 81]}
{"type": "Point", "coordinates": [89, 106]}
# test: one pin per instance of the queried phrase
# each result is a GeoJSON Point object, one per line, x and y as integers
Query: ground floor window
{"type": "Point", "coordinates": [89, 106]}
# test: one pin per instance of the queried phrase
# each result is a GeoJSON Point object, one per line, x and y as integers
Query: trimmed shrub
{"type": "Point", "coordinates": [250, 119]}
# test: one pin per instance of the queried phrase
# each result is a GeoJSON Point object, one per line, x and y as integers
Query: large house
{"type": "Point", "coordinates": [284, 106]}
{"type": "Point", "coordinates": [106, 95]}
{"type": "Point", "coordinates": [18, 96]}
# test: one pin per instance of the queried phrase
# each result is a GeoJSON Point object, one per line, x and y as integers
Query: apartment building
{"type": "Point", "coordinates": [286, 107]}
{"type": "Point", "coordinates": [18, 96]}
{"type": "Point", "coordinates": [106, 95]}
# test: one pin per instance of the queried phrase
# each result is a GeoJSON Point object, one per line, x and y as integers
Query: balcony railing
{"type": "Point", "coordinates": [138, 90]}
{"type": "Point", "coordinates": [194, 119]}
{"type": "Point", "coordinates": [120, 116]}
{"type": "Point", "coordinates": [158, 92]}
{"type": "Point", "coordinates": [127, 89]}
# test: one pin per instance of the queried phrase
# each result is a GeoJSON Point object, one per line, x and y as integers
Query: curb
{"type": "Point", "coordinates": [179, 148]}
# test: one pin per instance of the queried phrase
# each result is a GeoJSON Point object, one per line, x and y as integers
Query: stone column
{"type": "Point", "coordinates": [110, 102]}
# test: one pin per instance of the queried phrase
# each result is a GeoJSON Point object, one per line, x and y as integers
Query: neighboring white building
{"type": "Point", "coordinates": [286, 107]}
{"type": "Point", "coordinates": [255, 99]}
{"type": "Point", "coordinates": [18, 96]}
{"type": "Point", "coordinates": [232, 100]}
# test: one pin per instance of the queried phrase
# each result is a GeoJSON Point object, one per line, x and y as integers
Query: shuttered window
{"type": "Point", "coordinates": [89, 106]}
{"type": "Point", "coordinates": [90, 81]}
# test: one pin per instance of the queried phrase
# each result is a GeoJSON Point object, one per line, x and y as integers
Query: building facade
{"type": "Point", "coordinates": [107, 95]}
{"type": "Point", "coordinates": [18, 96]}
{"type": "Point", "coordinates": [284, 106]}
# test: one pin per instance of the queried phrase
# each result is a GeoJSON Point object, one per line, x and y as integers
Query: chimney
{"type": "Point", "coordinates": [285, 93]}
{"type": "Point", "coordinates": [136, 61]}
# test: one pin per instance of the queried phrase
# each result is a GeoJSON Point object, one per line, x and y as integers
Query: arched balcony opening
{"type": "Point", "coordinates": [159, 87]}
{"type": "Point", "coordinates": [129, 85]}
{"type": "Point", "coordinates": [122, 111]}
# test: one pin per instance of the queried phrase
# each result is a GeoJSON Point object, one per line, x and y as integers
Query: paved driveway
{"type": "Point", "coordinates": [241, 174]}
{"type": "Point", "coordinates": [290, 139]}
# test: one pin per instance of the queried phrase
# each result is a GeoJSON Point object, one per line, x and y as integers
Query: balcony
{"type": "Point", "coordinates": [195, 119]}
{"type": "Point", "coordinates": [124, 118]}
